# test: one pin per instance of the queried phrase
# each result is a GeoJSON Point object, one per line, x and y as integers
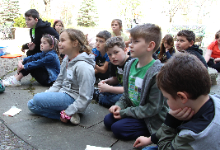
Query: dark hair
{"type": "Point", "coordinates": [119, 23]}
{"type": "Point", "coordinates": [115, 41]}
{"type": "Point", "coordinates": [170, 41]}
{"type": "Point", "coordinates": [32, 13]}
{"type": "Point", "coordinates": [150, 32]}
{"type": "Point", "coordinates": [104, 34]}
{"type": "Point", "coordinates": [217, 35]}
{"type": "Point", "coordinates": [184, 72]}
{"type": "Point", "coordinates": [78, 35]}
{"type": "Point", "coordinates": [190, 35]}
{"type": "Point", "coordinates": [56, 21]}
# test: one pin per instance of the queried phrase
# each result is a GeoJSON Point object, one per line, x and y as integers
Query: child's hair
{"type": "Point", "coordinates": [217, 35]}
{"type": "Point", "coordinates": [150, 32]}
{"type": "Point", "coordinates": [119, 23]}
{"type": "Point", "coordinates": [53, 41]}
{"type": "Point", "coordinates": [32, 13]}
{"type": "Point", "coordinates": [170, 41]}
{"type": "Point", "coordinates": [190, 35]}
{"type": "Point", "coordinates": [184, 72]}
{"type": "Point", "coordinates": [104, 34]}
{"type": "Point", "coordinates": [115, 41]}
{"type": "Point", "coordinates": [56, 21]}
{"type": "Point", "coordinates": [78, 35]}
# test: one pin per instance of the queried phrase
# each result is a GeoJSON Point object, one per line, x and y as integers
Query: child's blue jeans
{"type": "Point", "coordinates": [108, 99]}
{"type": "Point", "coordinates": [50, 104]}
{"type": "Point", "coordinates": [126, 128]}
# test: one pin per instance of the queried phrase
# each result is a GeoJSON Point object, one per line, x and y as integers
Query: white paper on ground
{"type": "Point", "coordinates": [88, 147]}
{"type": "Point", "coordinates": [12, 111]}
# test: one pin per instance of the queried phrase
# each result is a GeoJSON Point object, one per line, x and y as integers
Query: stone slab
{"type": "Point", "coordinates": [45, 133]}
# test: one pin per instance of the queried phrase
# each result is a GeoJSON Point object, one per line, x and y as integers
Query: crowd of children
{"type": "Point", "coordinates": [152, 91]}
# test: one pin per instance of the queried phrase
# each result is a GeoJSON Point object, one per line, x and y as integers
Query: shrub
{"type": "Point", "coordinates": [20, 22]}
{"type": "Point", "coordinates": [49, 20]}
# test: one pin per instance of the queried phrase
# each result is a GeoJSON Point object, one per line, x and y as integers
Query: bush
{"type": "Point", "coordinates": [20, 22]}
{"type": "Point", "coordinates": [49, 20]}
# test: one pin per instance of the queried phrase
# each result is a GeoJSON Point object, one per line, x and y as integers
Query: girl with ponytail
{"type": "Point", "coordinates": [73, 90]}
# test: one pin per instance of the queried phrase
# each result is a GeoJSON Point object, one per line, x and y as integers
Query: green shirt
{"type": "Point", "coordinates": [136, 77]}
{"type": "Point", "coordinates": [33, 33]}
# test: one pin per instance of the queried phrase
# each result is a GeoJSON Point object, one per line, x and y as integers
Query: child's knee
{"type": "Point", "coordinates": [108, 121]}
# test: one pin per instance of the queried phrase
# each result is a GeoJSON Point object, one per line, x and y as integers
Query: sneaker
{"type": "Point", "coordinates": [75, 119]}
{"type": "Point", "coordinates": [11, 81]}
{"type": "Point", "coordinates": [96, 94]}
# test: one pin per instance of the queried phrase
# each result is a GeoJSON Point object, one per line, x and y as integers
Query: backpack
{"type": "Point", "coordinates": [2, 87]}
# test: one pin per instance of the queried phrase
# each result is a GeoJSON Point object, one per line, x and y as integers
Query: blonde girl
{"type": "Point", "coordinates": [73, 90]}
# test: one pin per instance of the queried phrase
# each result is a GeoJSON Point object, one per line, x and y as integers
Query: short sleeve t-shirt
{"type": "Point", "coordinates": [215, 49]}
{"type": "Point", "coordinates": [118, 71]}
{"type": "Point", "coordinates": [98, 57]}
{"type": "Point", "coordinates": [136, 77]}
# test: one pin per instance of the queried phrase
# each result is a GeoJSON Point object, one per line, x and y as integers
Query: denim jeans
{"type": "Point", "coordinates": [50, 104]}
{"type": "Point", "coordinates": [108, 99]}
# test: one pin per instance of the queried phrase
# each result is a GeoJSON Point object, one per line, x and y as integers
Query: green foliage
{"type": "Point", "coordinates": [127, 10]}
{"type": "Point", "coordinates": [20, 22]}
{"type": "Point", "coordinates": [9, 10]}
{"type": "Point", "coordinates": [87, 15]}
{"type": "Point", "coordinates": [48, 20]}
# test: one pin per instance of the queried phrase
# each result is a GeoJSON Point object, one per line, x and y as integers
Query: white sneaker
{"type": "Point", "coordinates": [11, 81]}
{"type": "Point", "coordinates": [75, 119]}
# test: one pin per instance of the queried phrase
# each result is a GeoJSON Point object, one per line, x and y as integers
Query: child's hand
{"type": "Point", "coordinates": [167, 49]}
{"type": "Point", "coordinates": [114, 108]}
{"type": "Point", "coordinates": [31, 46]}
{"type": "Point", "coordinates": [142, 141]}
{"type": "Point", "coordinates": [182, 114]}
{"type": "Point", "coordinates": [103, 87]}
{"type": "Point", "coordinates": [116, 114]}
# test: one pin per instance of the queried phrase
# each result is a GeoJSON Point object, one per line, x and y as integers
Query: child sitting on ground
{"type": "Point", "coordinates": [72, 91]}
{"type": "Point", "coordinates": [58, 26]}
{"type": "Point", "coordinates": [117, 31]}
{"type": "Point", "coordinates": [166, 49]}
{"type": "Point", "coordinates": [142, 108]}
{"type": "Point", "coordinates": [111, 89]}
{"type": "Point", "coordinates": [193, 120]}
{"type": "Point", "coordinates": [212, 55]}
{"type": "Point", "coordinates": [102, 70]}
{"type": "Point", "coordinates": [38, 28]}
{"type": "Point", "coordinates": [44, 66]}
{"type": "Point", "coordinates": [185, 42]}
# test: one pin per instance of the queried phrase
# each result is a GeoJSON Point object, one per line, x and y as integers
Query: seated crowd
{"type": "Point", "coordinates": [156, 92]}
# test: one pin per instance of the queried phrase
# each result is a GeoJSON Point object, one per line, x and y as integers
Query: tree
{"type": "Point", "coordinates": [47, 8]}
{"type": "Point", "coordinates": [87, 15]}
{"type": "Point", "coordinates": [9, 10]}
{"type": "Point", "coordinates": [128, 10]}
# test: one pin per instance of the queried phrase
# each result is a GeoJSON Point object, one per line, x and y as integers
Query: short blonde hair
{"type": "Point", "coordinates": [150, 32]}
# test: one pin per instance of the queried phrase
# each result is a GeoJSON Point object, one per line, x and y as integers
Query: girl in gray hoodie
{"type": "Point", "coordinates": [73, 90]}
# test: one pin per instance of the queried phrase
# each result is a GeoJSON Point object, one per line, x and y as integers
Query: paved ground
{"type": "Point", "coordinates": [28, 131]}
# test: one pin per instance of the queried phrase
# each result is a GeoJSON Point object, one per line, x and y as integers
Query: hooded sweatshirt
{"type": "Point", "coordinates": [41, 28]}
{"type": "Point", "coordinates": [194, 50]}
{"type": "Point", "coordinates": [77, 79]}
{"type": "Point", "coordinates": [153, 106]}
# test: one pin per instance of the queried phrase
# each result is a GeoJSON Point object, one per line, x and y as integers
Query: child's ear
{"type": "Point", "coordinates": [36, 19]}
{"type": "Point", "coordinates": [151, 46]}
{"type": "Point", "coordinates": [191, 43]}
{"type": "Point", "coordinates": [183, 96]}
{"type": "Point", "coordinates": [75, 43]}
